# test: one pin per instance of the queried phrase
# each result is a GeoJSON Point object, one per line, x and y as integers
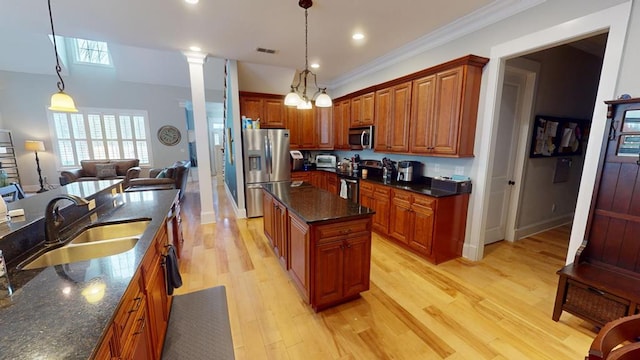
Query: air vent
{"type": "Point", "coordinates": [267, 51]}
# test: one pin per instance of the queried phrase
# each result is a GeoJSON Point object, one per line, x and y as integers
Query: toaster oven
{"type": "Point", "coordinates": [325, 161]}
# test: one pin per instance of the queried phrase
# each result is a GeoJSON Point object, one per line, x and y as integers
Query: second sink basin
{"type": "Point", "coordinates": [96, 241]}
{"type": "Point", "coordinates": [111, 231]}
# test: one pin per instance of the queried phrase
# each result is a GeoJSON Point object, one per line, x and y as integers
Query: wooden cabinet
{"type": "Point", "coordinates": [299, 255]}
{"type": "Point", "coordinates": [318, 179]}
{"type": "Point", "coordinates": [344, 263]}
{"type": "Point", "coordinates": [392, 111]}
{"type": "Point", "coordinates": [433, 228]}
{"type": "Point", "coordinates": [362, 110]}
{"type": "Point", "coordinates": [324, 128]}
{"type": "Point", "coordinates": [140, 323]}
{"type": "Point", "coordinates": [412, 220]}
{"type": "Point", "coordinates": [444, 112]}
{"type": "Point", "coordinates": [302, 128]}
{"type": "Point", "coordinates": [275, 227]}
{"type": "Point", "coordinates": [341, 115]}
{"type": "Point", "coordinates": [157, 300]}
{"type": "Point", "coordinates": [377, 197]}
{"type": "Point", "coordinates": [430, 112]}
{"type": "Point", "coordinates": [268, 108]}
{"type": "Point", "coordinates": [332, 182]}
{"type": "Point", "coordinates": [301, 176]}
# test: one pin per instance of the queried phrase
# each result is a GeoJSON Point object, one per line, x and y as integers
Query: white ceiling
{"type": "Point", "coordinates": [152, 29]}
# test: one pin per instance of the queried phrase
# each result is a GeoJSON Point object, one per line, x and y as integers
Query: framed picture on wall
{"type": "Point", "coordinates": [556, 136]}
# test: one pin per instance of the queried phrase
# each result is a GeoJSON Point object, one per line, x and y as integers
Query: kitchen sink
{"type": "Point", "coordinates": [110, 231]}
{"type": "Point", "coordinates": [93, 242]}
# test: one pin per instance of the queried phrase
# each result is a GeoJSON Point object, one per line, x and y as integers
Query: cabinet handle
{"type": "Point", "coordinates": [136, 306]}
{"type": "Point", "coordinates": [140, 330]}
{"type": "Point", "coordinates": [596, 291]}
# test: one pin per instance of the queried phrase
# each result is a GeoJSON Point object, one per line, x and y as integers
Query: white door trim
{"type": "Point", "coordinates": [614, 20]}
{"type": "Point", "coordinates": [530, 70]}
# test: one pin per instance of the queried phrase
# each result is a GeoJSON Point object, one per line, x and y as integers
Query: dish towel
{"type": "Point", "coordinates": [173, 278]}
{"type": "Point", "coordinates": [343, 189]}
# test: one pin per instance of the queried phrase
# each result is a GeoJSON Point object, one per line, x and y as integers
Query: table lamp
{"type": "Point", "coordinates": [35, 146]}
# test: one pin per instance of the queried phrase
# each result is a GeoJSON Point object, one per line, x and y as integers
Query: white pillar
{"type": "Point", "coordinates": [196, 74]}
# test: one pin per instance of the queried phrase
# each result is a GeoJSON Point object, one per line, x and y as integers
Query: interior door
{"type": "Point", "coordinates": [503, 164]}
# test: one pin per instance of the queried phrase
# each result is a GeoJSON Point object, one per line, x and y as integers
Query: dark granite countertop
{"type": "Point", "coordinates": [314, 205]}
{"type": "Point", "coordinates": [422, 186]}
{"type": "Point", "coordinates": [48, 317]}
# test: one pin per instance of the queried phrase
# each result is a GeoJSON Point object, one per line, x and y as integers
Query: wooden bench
{"type": "Point", "coordinates": [199, 327]}
{"type": "Point", "coordinates": [603, 283]}
{"type": "Point", "coordinates": [596, 293]}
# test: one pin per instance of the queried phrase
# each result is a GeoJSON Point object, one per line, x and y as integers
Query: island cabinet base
{"type": "Point", "coordinates": [330, 261]}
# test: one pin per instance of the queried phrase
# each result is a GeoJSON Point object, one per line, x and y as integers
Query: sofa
{"type": "Point", "coordinates": [172, 177]}
{"type": "Point", "coordinates": [91, 170]}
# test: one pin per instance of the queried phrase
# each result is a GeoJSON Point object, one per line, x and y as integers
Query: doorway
{"type": "Point", "coordinates": [614, 19]}
{"type": "Point", "coordinates": [524, 197]}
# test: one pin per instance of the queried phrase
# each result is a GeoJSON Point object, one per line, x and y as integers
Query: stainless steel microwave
{"type": "Point", "coordinates": [361, 138]}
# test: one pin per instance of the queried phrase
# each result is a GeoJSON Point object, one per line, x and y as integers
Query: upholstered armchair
{"type": "Point", "coordinates": [172, 177]}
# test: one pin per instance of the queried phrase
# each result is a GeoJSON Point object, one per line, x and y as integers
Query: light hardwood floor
{"type": "Point", "coordinates": [497, 308]}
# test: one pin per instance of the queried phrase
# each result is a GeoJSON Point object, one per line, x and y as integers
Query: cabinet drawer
{"type": "Point", "coordinates": [366, 187]}
{"type": "Point", "coordinates": [131, 303]}
{"type": "Point", "coordinates": [589, 302]}
{"type": "Point", "coordinates": [402, 195]}
{"type": "Point", "coordinates": [324, 233]}
{"type": "Point", "coordinates": [424, 201]}
{"type": "Point", "coordinates": [382, 190]}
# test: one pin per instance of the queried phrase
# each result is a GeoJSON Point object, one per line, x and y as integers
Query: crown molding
{"type": "Point", "coordinates": [488, 15]}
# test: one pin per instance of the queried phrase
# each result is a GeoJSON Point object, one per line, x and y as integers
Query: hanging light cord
{"type": "Point", "coordinates": [55, 49]}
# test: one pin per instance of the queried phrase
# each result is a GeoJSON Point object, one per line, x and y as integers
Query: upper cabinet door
{"type": "Point", "coordinates": [324, 124]}
{"type": "Point", "coordinates": [274, 111]}
{"type": "Point", "coordinates": [423, 99]}
{"type": "Point", "coordinates": [368, 108]}
{"type": "Point", "coordinates": [446, 120]}
{"type": "Point", "coordinates": [251, 107]}
{"type": "Point", "coordinates": [383, 120]}
{"type": "Point", "coordinates": [400, 115]}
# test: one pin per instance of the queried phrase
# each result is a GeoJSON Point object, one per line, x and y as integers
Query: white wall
{"type": "Point", "coordinates": [25, 97]}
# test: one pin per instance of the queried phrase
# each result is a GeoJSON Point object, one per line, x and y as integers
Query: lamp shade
{"type": "Point", "coordinates": [304, 105]}
{"type": "Point", "coordinates": [323, 100]}
{"type": "Point", "coordinates": [292, 99]}
{"type": "Point", "coordinates": [60, 101]}
{"type": "Point", "coordinates": [34, 145]}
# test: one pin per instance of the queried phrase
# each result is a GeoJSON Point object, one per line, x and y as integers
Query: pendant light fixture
{"type": "Point", "coordinates": [60, 101]}
{"type": "Point", "coordinates": [294, 98]}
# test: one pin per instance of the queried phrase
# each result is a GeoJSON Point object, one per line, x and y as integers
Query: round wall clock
{"type": "Point", "coordinates": [169, 135]}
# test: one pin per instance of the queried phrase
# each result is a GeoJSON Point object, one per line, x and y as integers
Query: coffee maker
{"type": "Point", "coordinates": [408, 171]}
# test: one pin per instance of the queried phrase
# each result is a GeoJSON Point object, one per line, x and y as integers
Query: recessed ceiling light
{"type": "Point", "coordinates": [358, 36]}
{"type": "Point", "coordinates": [315, 65]}
{"type": "Point", "coordinates": [195, 48]}
{"type": "Point", "coordinates": [191, 1]}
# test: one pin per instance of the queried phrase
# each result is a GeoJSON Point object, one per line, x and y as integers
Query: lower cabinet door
{"type": "Point", "coordinates": [422, 237]}
{"type": "Point", "coordinates": [356, 265]}
{"type": "Point", "coordinates": [329, 273]}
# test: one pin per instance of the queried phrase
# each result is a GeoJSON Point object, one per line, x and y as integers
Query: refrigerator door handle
{"type": "Point", "coordinates": [267, 148]}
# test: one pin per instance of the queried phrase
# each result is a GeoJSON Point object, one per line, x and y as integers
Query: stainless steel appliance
{"type": "Point", "coordinates": [409, 170]}
{"type": "Point", "coordinates": [297, 160]}
{"type": "Point", "coordinates": [326, 161]}
{"type": "Point", "coordinates": [266, 159]}
{"type": "Point", "coordinates": [349, 187]}
{"type": "Point", "coordinates": [361, 138]}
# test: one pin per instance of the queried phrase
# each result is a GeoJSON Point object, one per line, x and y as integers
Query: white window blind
{"type": "Point", "coordinates": [100, 134]}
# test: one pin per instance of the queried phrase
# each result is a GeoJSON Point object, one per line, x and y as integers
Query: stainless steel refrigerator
{"type": "Point", "coordinates": [266, 159]}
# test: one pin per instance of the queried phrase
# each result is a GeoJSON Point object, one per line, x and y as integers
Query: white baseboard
{"type": "Point", "coordinates": [240, 213]}
{"type": "Point", "coordinates": [541, 226]}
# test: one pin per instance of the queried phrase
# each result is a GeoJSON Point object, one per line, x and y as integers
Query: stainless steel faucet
{"type": "Point", "coordinates": [53, 220]}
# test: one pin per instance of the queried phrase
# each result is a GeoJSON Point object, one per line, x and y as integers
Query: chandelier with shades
{"type": "Point", "coordinates": [60, 101]}
{"type": "Point", "coordinates": [298, 95]}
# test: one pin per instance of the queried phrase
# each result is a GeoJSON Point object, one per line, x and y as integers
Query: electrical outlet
{"type": "Point", "coordinates": [459, 170]}
{"type": "Point", "coordinates": [553, 208]}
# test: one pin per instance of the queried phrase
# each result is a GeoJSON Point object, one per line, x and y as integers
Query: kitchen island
{"type": "Point", "coordinates": [75, 311]}
{"type": "Point", "coordinates": [320, 239]}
